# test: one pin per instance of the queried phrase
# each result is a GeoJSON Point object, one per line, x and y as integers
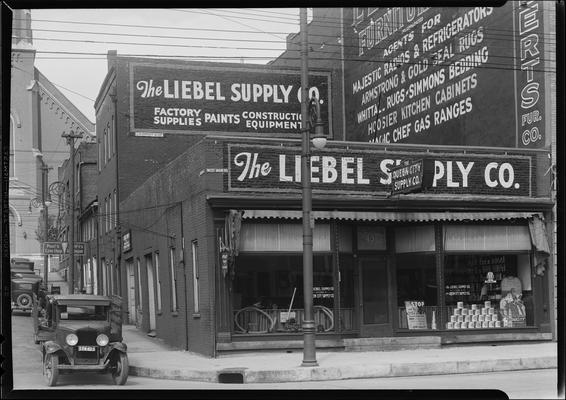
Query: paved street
{"type": "Point", "coordinates": [528, 384]}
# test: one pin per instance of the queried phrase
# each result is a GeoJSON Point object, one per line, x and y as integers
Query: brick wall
{"type": "Point", "coordinates": [153, 213]}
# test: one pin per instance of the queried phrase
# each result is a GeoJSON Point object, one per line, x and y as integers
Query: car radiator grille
{"type": "Point", "coordinates": [86, 337]}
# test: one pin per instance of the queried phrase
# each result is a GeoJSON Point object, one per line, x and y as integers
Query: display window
{"type": "Point", "coordinates": [484, 291]}
{"type": "Point", "coordinates": [346, 314]}
{"type": "Point", "coordinates": [417, 291]}
{"type": "Point", "coordinates": [268, 293]}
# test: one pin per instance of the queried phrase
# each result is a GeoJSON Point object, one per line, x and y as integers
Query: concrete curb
{"type": "Point", "coordinates": [184, 374]}
{"type": "Point", "coordinates": [350, 371]}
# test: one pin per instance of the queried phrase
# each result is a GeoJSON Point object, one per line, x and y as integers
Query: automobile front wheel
{"type": "Point", "coordinates": [51, 369]}
{"type": "Point", "coordinates": [120, 369]}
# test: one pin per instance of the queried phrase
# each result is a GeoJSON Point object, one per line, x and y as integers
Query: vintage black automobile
{"type": "Point", "coordinates": [23, 291]}
{"type": "Point", "coordinates": [80, 332]}
{"type": "Point", "coordinates": [24, 284]}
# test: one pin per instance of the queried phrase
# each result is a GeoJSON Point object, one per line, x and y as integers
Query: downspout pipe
{"type": "Point", "coordinates": [118, 248]}
{"type": "Point", "coordinates": [184, 279]}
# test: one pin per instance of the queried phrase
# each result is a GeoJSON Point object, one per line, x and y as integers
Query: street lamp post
{"type": "Point", "coordinates": [310, 118]}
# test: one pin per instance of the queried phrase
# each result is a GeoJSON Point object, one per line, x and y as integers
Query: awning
{"type": "Point", "coordinates": [390, 215]}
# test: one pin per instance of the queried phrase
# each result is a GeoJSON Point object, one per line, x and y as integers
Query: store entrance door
{"type": "Point", "coordinates": [374, 302]}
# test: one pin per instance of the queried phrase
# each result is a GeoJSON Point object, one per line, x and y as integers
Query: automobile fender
{"type": "Point", "coordinates": [117, 347]}
{"type": "Point", "coordinates": [51, 347]}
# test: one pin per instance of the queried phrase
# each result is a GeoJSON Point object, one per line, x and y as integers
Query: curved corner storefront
{"type": "Point", "coordinates": [463, 260]}
{"type": "Point", "coordinates": [463, 276]}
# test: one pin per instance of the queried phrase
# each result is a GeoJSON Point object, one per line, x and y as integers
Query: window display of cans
{"type": "Point", "coordinates": [474, 317]}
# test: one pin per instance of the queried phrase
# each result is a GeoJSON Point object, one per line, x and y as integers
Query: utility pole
{"type": "Point", "coordinates": [71, 136]}
{"type": "Point", "coordinates": [46, 200]}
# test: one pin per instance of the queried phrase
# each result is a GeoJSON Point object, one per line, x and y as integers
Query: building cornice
{"type": "Point", "coordinates": [60, 109]}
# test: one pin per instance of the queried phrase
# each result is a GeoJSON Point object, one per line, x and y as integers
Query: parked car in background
{"type": "Point", "coordinates": [80, 332]}
{"type": "Point", "coordinates": [26, 276]}
{"type": "Point", "coordinates": [25, 283]}
{"type": "Point", "coordinates": [24, 290]}
{"type": "Point", "coordinates": [23, 265]}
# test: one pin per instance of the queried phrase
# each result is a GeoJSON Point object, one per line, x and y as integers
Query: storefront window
{"type": "Point", "coordinates": [488, 291]}
{"type": "Point", "coordinates": [268, 293]}
{"type": "Point", "coordinates": [417, 291]}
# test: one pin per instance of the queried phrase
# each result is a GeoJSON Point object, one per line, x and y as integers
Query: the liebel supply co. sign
{"type": "Point", "coordinates": [278, 169]}
{"type": "Point", "coordinates": [199, 99]}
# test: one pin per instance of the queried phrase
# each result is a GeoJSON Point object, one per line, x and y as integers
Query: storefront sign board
{"type": "Point", "coordinates": [63, 248]}
{"type": "Point", "coordinates": [215, 98]}
{"type": "Point", "coordinates": [278, 169]}
{"type": "Point", "coordinates": [443, 76]}
{"type": "Point", "coordinates": [411, 176]}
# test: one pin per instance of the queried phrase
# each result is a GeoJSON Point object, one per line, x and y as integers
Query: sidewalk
{"type": "Point", "coordinates": [150, 357]}
{"type": "Point", "coordinates": [55, 279]}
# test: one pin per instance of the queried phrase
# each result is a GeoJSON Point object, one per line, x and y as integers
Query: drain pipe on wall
{"type": "Point", "coordinates": [182, 260]}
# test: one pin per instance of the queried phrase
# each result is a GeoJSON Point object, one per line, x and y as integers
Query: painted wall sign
{"type": "Point", "coordinates": [218, 99]}
{"type": "Point", "coordinates": [277, 169]}
{"type": "Point", "coordinates": [446, 76]}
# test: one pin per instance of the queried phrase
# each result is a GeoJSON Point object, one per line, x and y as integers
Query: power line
{"type": "Point", "coordinates": [471, 50]}
{"type": "Point", "coordinates": [158, 44]}
{"type": "Point", "coordinates": [151, 26]}
{"type": "Point", "coordinates": [230, 39]}
{"type": "Point", "coordinates": [490, 33]}
{"type": "Point", "coordinates": [336, 25]}
{"type": "Point", "coordinates": [494, 66]}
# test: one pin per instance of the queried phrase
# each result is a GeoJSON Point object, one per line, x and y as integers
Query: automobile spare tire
{"type": "Point", "coordinates": [24, 300]}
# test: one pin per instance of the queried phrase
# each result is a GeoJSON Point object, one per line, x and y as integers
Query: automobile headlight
{"type": "Point", "coordinates": [102, 339]}
{"type": "Point", "coordinates": [72, 339]}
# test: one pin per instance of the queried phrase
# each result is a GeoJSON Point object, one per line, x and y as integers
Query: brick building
{"type": "Point", "coordinates": [85, 218]}
{"type": "Point", "coordinates": [199, 187]}
{"type": "Point", "coordinates": [39, 114]}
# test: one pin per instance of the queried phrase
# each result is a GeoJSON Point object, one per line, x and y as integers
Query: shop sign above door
{"type": "Point", "coordinates": [411, 176]}
{"type": "Point", "coordinates": [278, 169]}
{"type": "Point", "coordinates": [216, 98]}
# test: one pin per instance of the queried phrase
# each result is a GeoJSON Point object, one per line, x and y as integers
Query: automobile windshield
{"type": "Point", "coordinates": [83, 313]}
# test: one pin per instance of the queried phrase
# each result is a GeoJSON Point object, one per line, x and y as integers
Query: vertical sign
{"type": "Point", "coordinates": [530, 74]}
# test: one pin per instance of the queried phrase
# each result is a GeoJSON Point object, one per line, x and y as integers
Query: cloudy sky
{"type": "Point", "coordinates": [72, 44]}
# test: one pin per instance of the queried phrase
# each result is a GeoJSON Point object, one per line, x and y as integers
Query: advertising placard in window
{"type": "Point", "coordinates": [469, 76]}
{"type": "Point", "coordinates": [416, 316]}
